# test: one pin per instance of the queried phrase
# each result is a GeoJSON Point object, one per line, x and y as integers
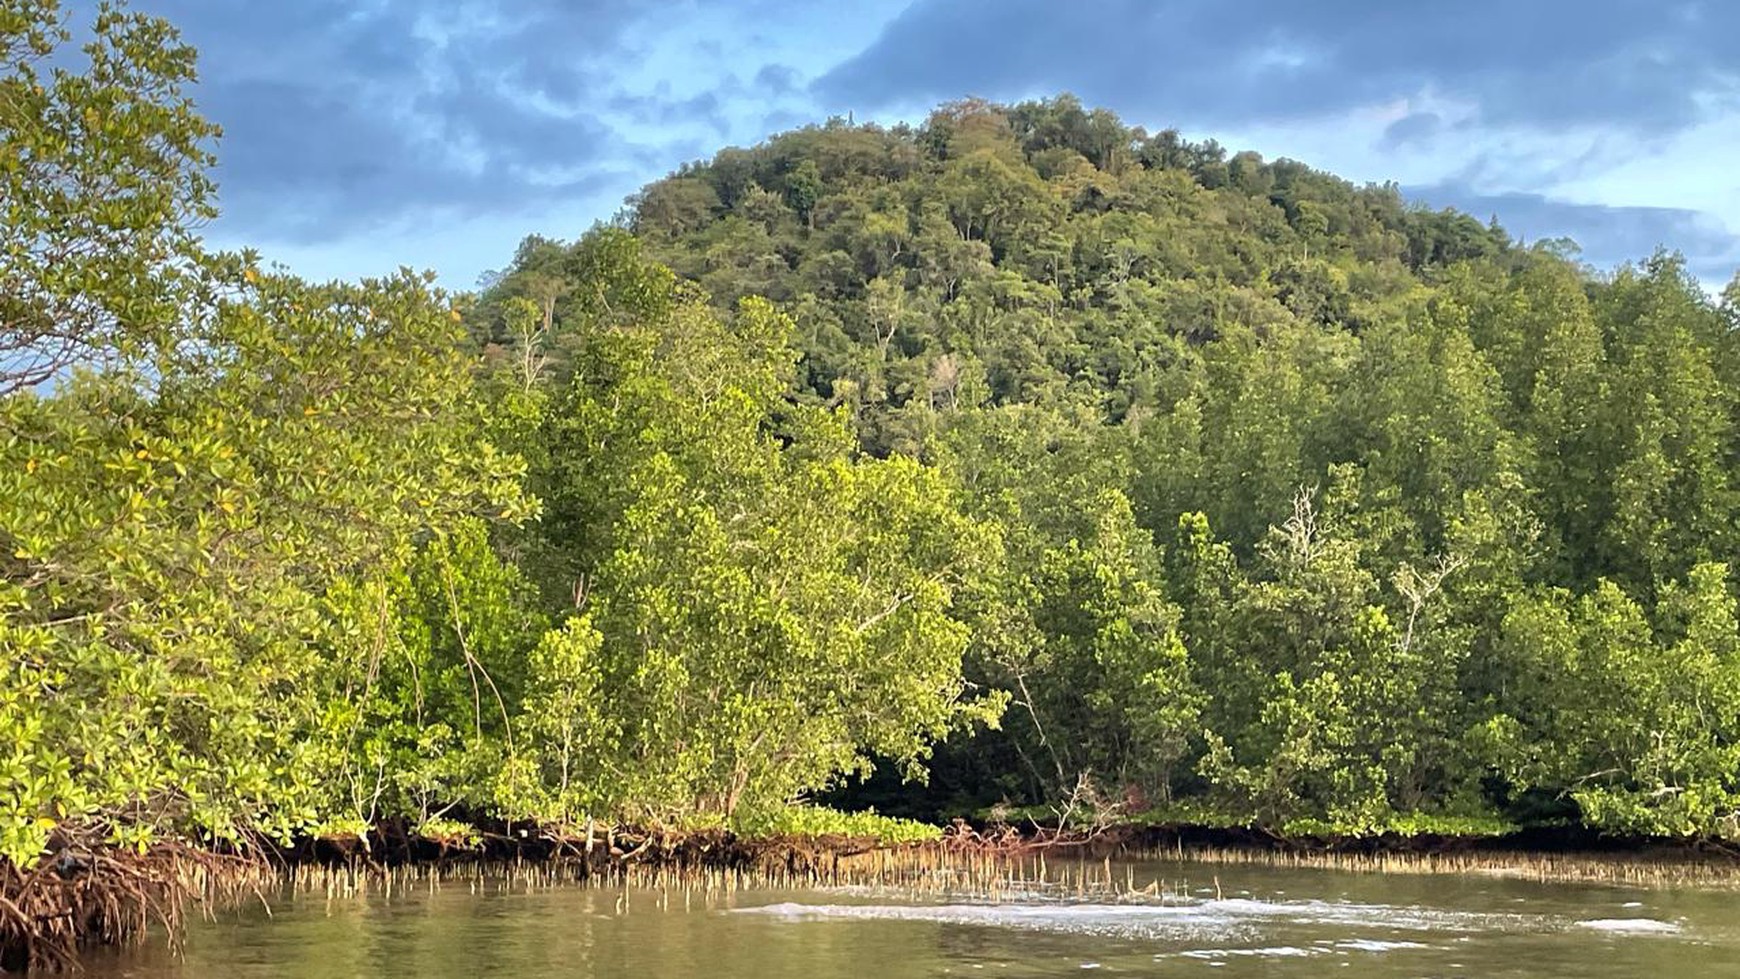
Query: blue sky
{"type": "Point", "coordinates": [366, 134]}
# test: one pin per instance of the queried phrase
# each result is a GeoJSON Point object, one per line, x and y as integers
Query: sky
{"type": "Point", "coordinates": [361, 135]}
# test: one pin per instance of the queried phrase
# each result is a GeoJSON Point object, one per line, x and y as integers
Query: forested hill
{"type": "Point", "coordinates": [1033, 253]}
{"type": "Point", "coordinates": [1071, 466]}
{"type": "Point", "coordinates": [1051, 253]}
{"type": "Point", "coordinates": [1316, 508]}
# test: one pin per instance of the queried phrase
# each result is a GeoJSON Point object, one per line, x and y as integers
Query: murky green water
{"type": "Point", "coordinates": [1264, 923]}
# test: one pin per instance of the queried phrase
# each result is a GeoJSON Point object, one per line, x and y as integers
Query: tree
{"type": "Point", "coordinates": [103, 189]}
{"type": "Point", "coordinates": [1064, 312]}
{"type": "Point", "coordinates": [1635, 730]}
{"type": "Point", "coordinates": [771, 609]}
{"type": "Point", "coordinates": [803, 188]}
{"type": "Point", "coordinates": [172, 547]}
{"type": "Point", "coordinates": [1117, 697]}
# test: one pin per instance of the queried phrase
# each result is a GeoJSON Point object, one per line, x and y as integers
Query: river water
{"type": "Point", "coordinates": [1212, 922]}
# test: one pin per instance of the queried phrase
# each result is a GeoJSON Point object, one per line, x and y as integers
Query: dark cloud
{"type": "Point", "coordinates": [1418, 127]}
{"type": "Point", "coordinates": [344, 116]}
{"type": "Point", "coordinates": [1608, 236]}
{"type": "Point", "coordinates": [777, 79]}
{"type": "Point", "coordinates": [1640, 64]}
{"type": "Point", "coordinates": [340, 116]}
{"type": "Point", "coordinates": [663, 111]}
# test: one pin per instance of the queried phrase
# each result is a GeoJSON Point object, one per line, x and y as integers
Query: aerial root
{"type": "Point", "coordinates": [76, 897]}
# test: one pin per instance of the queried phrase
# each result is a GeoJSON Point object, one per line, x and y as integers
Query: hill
{"type": "Point", "coordinates": [1319, 508]}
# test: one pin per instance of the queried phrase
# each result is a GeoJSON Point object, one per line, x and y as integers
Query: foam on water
{"type": "Point", "coordinates": [1635, 926]}
{"type": "Point", "coordinates": [1229, 918]}
{"type": "Point", "coordinates": [1280, 951]}
{"type": "Point", "coordinates": [1295, 951]}
{"type": "Point", "coordinates": [1212, 931]}
{"type": "Point", "coordinates": [1373, 945]}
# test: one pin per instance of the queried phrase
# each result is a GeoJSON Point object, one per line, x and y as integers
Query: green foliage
{"type": "Point", "coordinates": [174, 550]}
{"type": "Point", "coordinates": [770, 606]}
{"type": "Point", "coordinates": [817, 822]}
{"type": "Point", "coordinates": [1115, 681]}
{"type": "Point", "coordinates": [1635, 719]}
{"type": "Point", "coordinates": [572, 736]}
{"type": "Point", "coordinates": [1406, 432]}
{"type": "Point", "coordinates": [102, 187]}
{"type": "Point", "coordinates": [1053, 462]}
{"type": "Point", "coordinates": [430, 662]}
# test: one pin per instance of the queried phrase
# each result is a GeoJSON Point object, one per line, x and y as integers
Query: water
{"type": "Point", "coordinates": [1263, 922]}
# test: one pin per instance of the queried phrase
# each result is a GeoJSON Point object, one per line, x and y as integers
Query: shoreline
{"type": "Point", "coordinates": [77, 899]}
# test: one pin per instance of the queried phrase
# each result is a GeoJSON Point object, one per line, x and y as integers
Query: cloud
{"type": "Point", "coordinates": [1492, 106]}
{"type": "Point", "coordinates": [1416, 127]}
{"type": "Point", "coordinates": [1643, 65]}
{"type": "Point", "coordinates": [342, 118]}
{"type": "Point", "coordinates": [1608, 235]}
{"type": "Point", "coordinates": [354, 124]}
{"type": "Point", "coordinates": [777, 79]}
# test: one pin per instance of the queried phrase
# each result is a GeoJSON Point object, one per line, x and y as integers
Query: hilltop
{"type": "Point", "coordinates": [1320, 509]}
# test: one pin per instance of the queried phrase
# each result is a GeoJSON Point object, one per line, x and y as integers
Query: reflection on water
{"type": "Point", "coordinates": [1264, 923]}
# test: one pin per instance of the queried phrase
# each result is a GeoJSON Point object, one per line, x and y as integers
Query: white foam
{"type": "Point", "coordinates": [1150, 920]}
{"type": "Point", "coordinates": [1242, 918]}
{"type": "Point", "coordinates": [1633, 926]}
{"type": "Point", "coordinates": [1375, 915]}
{"type": "Point", "coordinates": [1373, 945]}
{"type": "Point", "coordinates": [1279, 952]}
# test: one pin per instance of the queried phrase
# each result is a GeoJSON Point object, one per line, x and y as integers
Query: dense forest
{"type": "Point", "coordinates": [1017, 461]}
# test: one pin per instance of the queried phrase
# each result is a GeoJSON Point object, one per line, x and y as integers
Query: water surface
{"type": "Point", "coordinates": [1221, 922]}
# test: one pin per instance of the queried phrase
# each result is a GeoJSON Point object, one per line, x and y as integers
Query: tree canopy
{"type": "Point", "coordinates": [1018, 458]}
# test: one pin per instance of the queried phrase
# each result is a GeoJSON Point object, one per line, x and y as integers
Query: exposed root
{"type": "Point", "coordinates": [80, 896]}
{"type": "Point", "coordinates": [76, 897]}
